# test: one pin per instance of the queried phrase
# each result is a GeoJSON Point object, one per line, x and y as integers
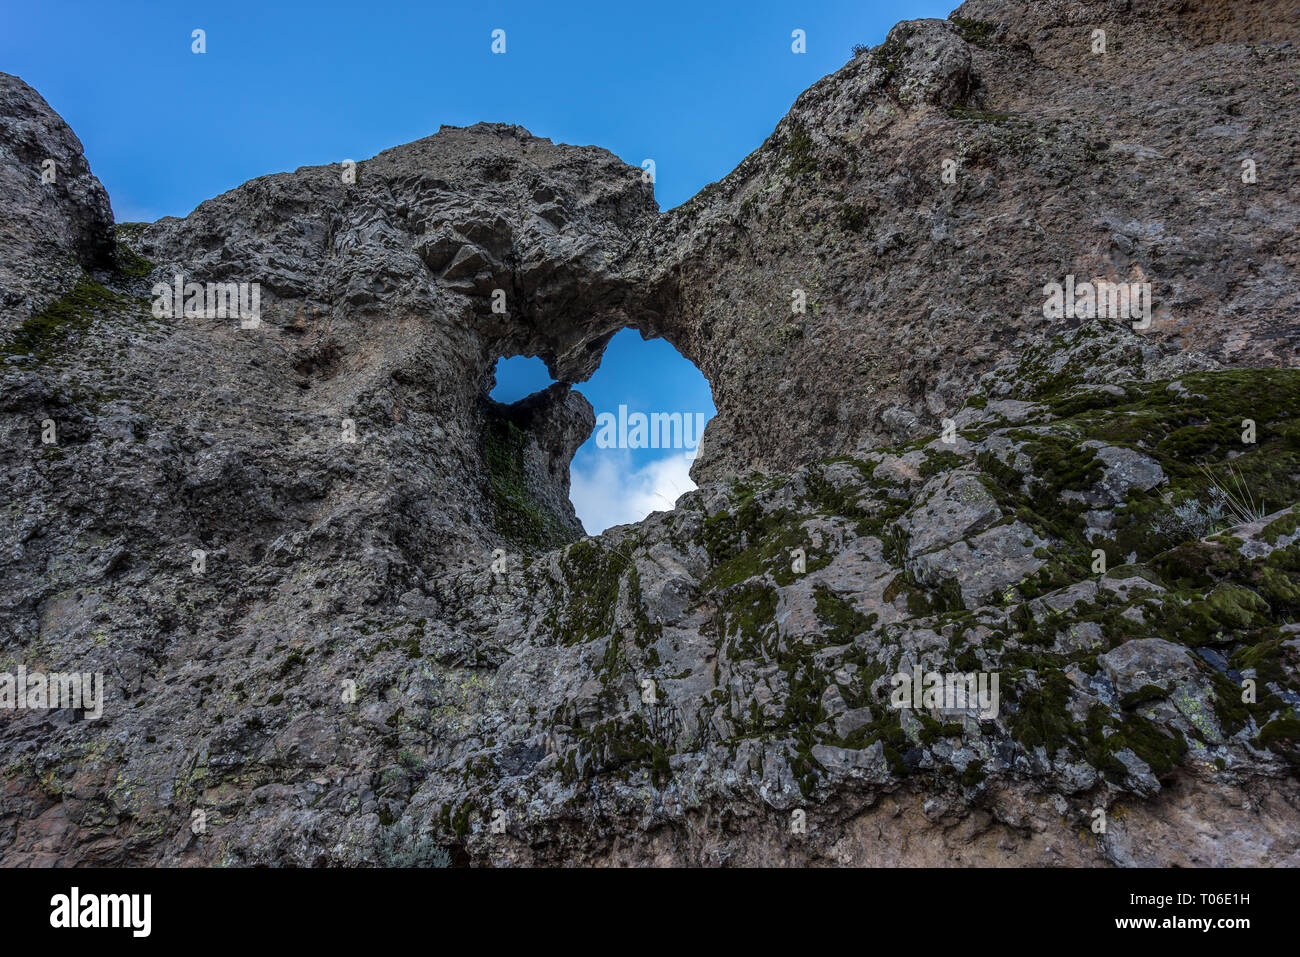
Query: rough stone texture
{"type": "Point", "coordinates": [1122, 471]}
{"type": "Point", "coordinates": [985, 564]}
{"type": "Point", "coordinates": [1125, 166]}
{"type": "Point", "coordinates": [1147, 661]}
{"type": "Point", "coordinates": [333, 647]}
{"type": "Point", "coordinates": [951, 507]}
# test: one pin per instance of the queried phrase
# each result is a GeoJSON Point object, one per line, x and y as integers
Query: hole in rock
{"type": "Point", "coordinates": [639, 457]}
{"type": "Point", "coordinates": [651, 405]}
{"type": "Point", "coordinates": [519, 377]}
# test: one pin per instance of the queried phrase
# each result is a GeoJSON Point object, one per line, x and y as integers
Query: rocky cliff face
{"type": "Point", "coordinates": [343, 607]}
{"type": "Point", "coordinates": [57, 218]}
{"type": "Point", "coordinates": [1122, 166]}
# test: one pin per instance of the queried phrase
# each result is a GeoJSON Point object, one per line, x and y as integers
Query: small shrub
{"type": "Point", "coordinates": [1192, 519]}
{"type": "Point", "coordinates": [799, 152]}
{"type": "Point", "coordinates": [978, 32]}
{"type": "Point", "coordinates": [396, 846]}
{"type": "Point", "coordinates": [1238, 500]}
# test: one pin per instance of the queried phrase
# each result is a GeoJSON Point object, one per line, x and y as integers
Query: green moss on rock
{"type": "Point", "coordinates": [519, 516]}
{"type": "Point", "coordinates": [44, 332]}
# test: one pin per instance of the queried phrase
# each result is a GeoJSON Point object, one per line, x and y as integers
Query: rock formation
{"type": "Point", "coordinates": [345, 613]}
{"type": "Point", "coordinates": [57, 219]}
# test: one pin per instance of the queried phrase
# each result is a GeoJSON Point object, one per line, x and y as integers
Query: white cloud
{"type": "Point", "coordinates": [607, 489]}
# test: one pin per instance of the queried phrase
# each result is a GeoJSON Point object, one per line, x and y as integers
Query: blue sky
{"type": "Point", "coordinates": [616, 486]}
{"type": "Point", "coordinates": [693, 85]}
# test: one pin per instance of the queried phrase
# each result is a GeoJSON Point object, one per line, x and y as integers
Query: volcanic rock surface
{"type": "Point", "coordinates": [346, 614]}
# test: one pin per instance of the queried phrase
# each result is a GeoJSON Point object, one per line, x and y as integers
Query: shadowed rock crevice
{"type": "Point", "coordinates": [528, 446]}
